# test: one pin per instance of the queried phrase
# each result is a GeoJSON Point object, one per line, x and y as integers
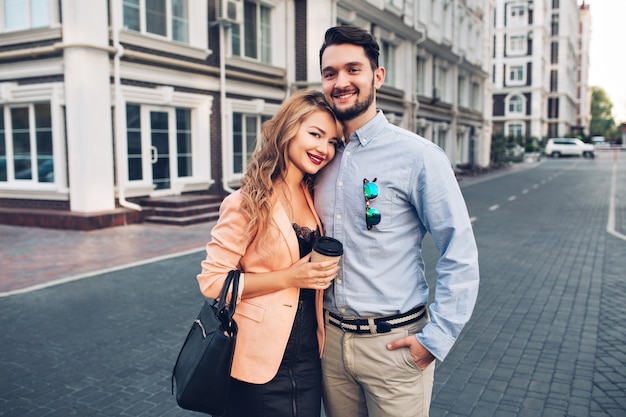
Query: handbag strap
{"type": "Point", "coordinates": [232, 278]}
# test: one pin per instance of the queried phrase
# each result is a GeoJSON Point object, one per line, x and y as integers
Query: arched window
{"type": "Point", "coordinates": [516, 104]}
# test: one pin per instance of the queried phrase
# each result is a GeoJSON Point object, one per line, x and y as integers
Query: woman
{"type": "Point", "coordinates": [266, 230]}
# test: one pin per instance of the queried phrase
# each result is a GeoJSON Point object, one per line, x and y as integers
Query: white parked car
{"type": "Point", "coordinates": [556, 147]}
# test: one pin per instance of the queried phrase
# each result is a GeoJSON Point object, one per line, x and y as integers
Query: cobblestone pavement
{"type": "Point", "coordinates": [547, 337]}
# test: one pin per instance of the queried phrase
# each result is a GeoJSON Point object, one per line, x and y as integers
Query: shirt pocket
{"type": "Point", "coordinates": [386, 203]}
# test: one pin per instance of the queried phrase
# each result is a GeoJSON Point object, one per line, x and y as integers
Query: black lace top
{"type": "Point", "coordinates": [306, 238]}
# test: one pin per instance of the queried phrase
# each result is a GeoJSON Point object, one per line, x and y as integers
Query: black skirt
{"type": "Point", "coordinates": [295, 391]}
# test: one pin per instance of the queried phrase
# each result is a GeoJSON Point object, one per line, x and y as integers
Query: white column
{"type": "Point", "coordinates": [88, 105]}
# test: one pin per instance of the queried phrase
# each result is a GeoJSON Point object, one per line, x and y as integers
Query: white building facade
{"type": "Point", "coordinates": [583, 90]}
{"type": "Point", "coordinates": [106, 104]}
{"type": "Point", "coordinates": [535, 69]}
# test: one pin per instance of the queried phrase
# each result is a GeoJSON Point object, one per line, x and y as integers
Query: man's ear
{"type": "Point", "coordinates": [379, 77]}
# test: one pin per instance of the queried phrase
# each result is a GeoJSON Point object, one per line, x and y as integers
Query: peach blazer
{"type": "Point", "coordinates": [265, 321]}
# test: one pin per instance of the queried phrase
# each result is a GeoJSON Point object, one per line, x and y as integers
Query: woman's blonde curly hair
{"type": "Point", "coordinates": [268, 162]}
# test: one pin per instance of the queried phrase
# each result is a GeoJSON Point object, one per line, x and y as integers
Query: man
{"type": "Point", "coordinates": [383, 192]}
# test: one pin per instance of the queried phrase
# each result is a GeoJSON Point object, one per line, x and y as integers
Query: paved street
{"type": "Point", "coordinates": [547, 337]}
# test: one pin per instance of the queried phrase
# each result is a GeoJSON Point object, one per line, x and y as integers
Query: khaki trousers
{"type": "Point", "coordinates": [361, 378]}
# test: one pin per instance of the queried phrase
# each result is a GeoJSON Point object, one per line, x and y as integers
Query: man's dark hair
{"type": "Point", "coordinates": [353, 35]}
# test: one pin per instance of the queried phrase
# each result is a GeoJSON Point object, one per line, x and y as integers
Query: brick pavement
{"type": "Point", "coordinates": [547, 337]}
{"type": "Point", "coordinates": [35, 256]}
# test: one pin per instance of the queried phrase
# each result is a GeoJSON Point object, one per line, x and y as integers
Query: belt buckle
{"type": "Point", "coordinates": [341, 325]}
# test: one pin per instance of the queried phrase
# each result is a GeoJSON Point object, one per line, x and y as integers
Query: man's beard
{"type": "Point", "coordinates": [358, 109]}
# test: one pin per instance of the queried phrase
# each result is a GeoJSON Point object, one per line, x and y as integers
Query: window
{"type": "Point", "coordinates": [516, 129]}
{"type": "Point", "coordinates": [26, 143]}
{"type": "Point", "coordinates": [554, 52]}
{"type": "Point", "coordinates": [167, 18]}
{"type": "Point", "coordinates": [441, 138]}
{"type": "Point", "coordinates": [516, 73]}
{"type": "Point", "coordinates": [252, 39]}
{"type": "Point", "coordinates": [159, 144]}
{"type": "Point", "coordinates": [388, 60]}
{"type": "Point", "coordinates": [246, 129]}
{"type": "Point", "coordinates": [183, 142]}
{"type": "Point", "coordinates": [553, 108]}
{"type": "Point", "coordinates": [476, 98]}
{"type": "Point", "coordinates": [24, 14]}
{"type": "Point", "coordinates": [462, 91]}
{"type": "Point", "coordinates": [553, 129]}
{"type": "Point", "coordinates": [133, 142]}
{"type": "Point", "coordinates": [554, 80]}
{"type": "Point", "coordinates": [441, 91]}
{"type": "Point", "coordinates": [420, 83]}
{"type": "Point", "coordinates": [434, 11]}
{"type": "Point", "coordinates": [516, 104]}
{"type": "Point", "coordinates": [516, 15]}
{"type": "Point", "coordinates": [517, 44]}
{"type": "Point", "coordinates": [517, 11]}
{"type": "Point", "coordinates": [3, 149]}
{"type": "Point", "coordinates": [554, 24]}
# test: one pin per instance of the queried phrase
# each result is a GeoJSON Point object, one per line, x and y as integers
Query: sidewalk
{"type": "Point", "coordinates": [37, 257]}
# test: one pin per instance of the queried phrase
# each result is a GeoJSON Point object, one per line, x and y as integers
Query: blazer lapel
{"type": "Point", "coordinates": [286, 230]}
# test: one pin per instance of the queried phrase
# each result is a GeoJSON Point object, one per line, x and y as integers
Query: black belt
{"type": "Point", "coordinates": [378, 324]}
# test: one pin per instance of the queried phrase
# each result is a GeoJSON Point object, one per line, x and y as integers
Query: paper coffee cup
{"type": "Point", "coordinates": [326, 248]}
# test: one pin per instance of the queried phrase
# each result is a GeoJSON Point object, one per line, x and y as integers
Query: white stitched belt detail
{"type": "Point", "coordinates": [380, 324]}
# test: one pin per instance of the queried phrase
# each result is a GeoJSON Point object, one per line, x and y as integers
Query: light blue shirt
{"type": "Point", "coordinates": [382, 269]}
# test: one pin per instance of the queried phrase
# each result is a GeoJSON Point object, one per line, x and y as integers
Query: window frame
{"type": "Point", "coordinates": [259, 108]}
{"type": "Point", "coordinates": [516, 104]}
{"type": "Point", "coordinates": [421, 64]}
{"type": "Point", "coordinates": [248, 139]}
{"type": "Point", "coordinates": [516, 45]}
{"type": "Point", "coordinates": [518, 126]}
{"type": "Point", "coordinates": [142, 132]}
{"type": "Point", "coordinates": [516, 15]}
{"type": "Point", "coordinates": [36, 159]}
{"type": "Point", "coordinates": [27, 9]}
{"type": "Point", "coordinates": [169, 18]}
{"type": "Point", "coordinates": [261, 42]}
{"type": "Point", "coordinates": [388, 60]}
{"type": "Point", "coordinates": [516, 74]}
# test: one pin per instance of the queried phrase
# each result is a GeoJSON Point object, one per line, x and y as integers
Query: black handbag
{"type": "Point", "coordinates": [201, 374]}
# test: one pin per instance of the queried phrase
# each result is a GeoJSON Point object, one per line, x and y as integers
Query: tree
{"type": "Point", "coordinates": [602, 122]}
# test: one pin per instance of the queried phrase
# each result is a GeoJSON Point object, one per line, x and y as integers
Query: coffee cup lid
{"type": "Point", "coordinates": [328, 246]}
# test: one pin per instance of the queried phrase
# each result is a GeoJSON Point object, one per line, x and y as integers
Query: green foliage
{"type": "Point", "coordinates": [602, 122]}
{"type": "Point", "coordinates": [511, 148]}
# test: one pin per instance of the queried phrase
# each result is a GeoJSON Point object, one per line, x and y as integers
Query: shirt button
{"type": "Point", "coordinates": [340, 184]}
{"type": "Point", "coordinates": [343, 310]}
{"type": "Point", "coordinates": [347, 153]}
{"type": "Point", "coordinates": [339, 217]}
{"type": "Point", "coordinates": [338, 281]}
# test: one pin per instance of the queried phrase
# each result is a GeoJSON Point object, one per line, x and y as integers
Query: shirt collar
{"type": "Point", "coordinates": [370, 130]}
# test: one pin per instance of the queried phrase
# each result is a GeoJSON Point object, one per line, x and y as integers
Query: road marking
{"type": "Point", "coordinates": [535, 186]}
{"type": "Point", "coordinates": [494, 207]}
{"type": "Point", "coordinates": [610, 224]}
{"type": "Point", "coordinates": [512, 198]}
{"type": "Point", "coordinates": [525, 191]}
{"type": "Point", "coordinates": [473, 219]}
